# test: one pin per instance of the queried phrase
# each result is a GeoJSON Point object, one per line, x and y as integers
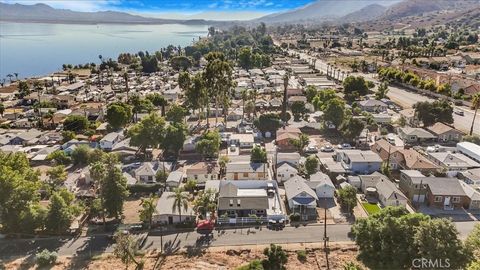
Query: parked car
{"type": "Point", "coordinates": [327, 148]}
{"type": "Point", "coordinates": [458, 112]}
{"type": "Point", "coordinates": [233, 148]}
{"type": "Point", "coordinates": [311, 149]}
{"type": "Point", "coordinates": [345, 146]}
{"type": "Point", "coordinates": [391, 138]}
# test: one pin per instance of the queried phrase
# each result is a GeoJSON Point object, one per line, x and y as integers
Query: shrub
{"type": "Point", "coordinates": [144, 188]}
{"type": "Point", "coordinates": [302, 255]}
{"type": "Point", "coordinates": [45, 258]}
{"type": "Point", "coordinates": [295, 217]}
{"type": "Point", "coordinates": [253, 265]}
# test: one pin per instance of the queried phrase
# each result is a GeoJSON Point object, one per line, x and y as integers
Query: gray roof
{"type": "Point", "coordinates": [232, 196]}
{"type": "Point", "coordinates": [165, 206]}
{"type": "Point", "coordinates": [454, 159]}
{"type": "Point", "coordinates": [246, 167]}
{"type": "Point", "coordinates": [372, 103]}
{"type": "Point", "coordinates": [175, 176]}
{"type": "Point", "coordinates": [419, 132]}
{"type": "Point", "coordinates": [389, 190]}
{"type": "Point", "coordinates": [446, 186]}
{"type": "Point", "coordinates": [296, 186]}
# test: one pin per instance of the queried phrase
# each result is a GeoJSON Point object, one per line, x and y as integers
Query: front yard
{"type": "Point", "coordinates": [371, 208]}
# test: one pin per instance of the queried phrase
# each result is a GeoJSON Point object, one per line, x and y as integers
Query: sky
{"type": "Point", "coordinates": [191, 9]}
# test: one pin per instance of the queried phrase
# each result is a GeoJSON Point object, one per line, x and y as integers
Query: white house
{"type": "Point", "coordinates": [290, 158]}
{"type": "Point", "coordinates": [107, 142]}
{"type": "Point", "coordinates": [301, 198]}
{"type": "Point", "coordinates": [285, 172]}
{"type": "Point", "coordinates": [389, 194]}
{"type": "Point", "coordinates": [165, 214]}
{"type": "Point", "coordinates": [174, 179]}
{"type": "Point", "coordinates": [242, 140]}
{"type": "Point", "coordinates": [322, 185]}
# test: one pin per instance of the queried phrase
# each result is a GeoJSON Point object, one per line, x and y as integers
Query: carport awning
{"type": "Point", "coordinates": [303, 201]}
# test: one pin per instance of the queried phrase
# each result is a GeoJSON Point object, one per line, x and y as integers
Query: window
{"type": "Point", "coordinates": [456, 199]}
{"type": "Point", "coordinates": [245, 174]}
{"type": "Point", "coordinates": [196, 177]}
{"type": "Point", "coordinates": [231, 203]}
{"type": "Point", "coordinates": [438, 198]}
{"type": "Point", "coordinates": [239, 202]}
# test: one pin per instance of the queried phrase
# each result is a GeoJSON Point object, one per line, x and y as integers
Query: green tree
{"type": "Point", "coordinates": [158, 100]}
{"type": "Point", "coordinates": [59, 217]}
{"type": "Point", "coordinates": [161, 176]}
{"type": "Point", "coordinates": [253, 265]}
{"type": "Point", "coordinates": [140, 105]}
{"type": "Point", "coordinates": [113, 186]}
{"type": "Point", "coordinates": [175, 136]}
{"type": "Point", "coordinates": [300, 143]}
{"type": "Point", "coordinates": [347, 198]}
{"type": "Point", "coordinates": [352, 266]}
{"type": "Point", "coordinates": [311, 92]}
{"type": "Point", "coordinates": [245, 58]}
{"type": "Point", "coordinates": [311, 164]}
{"type": "Point", "coordinates": [180, 62]}
{"type": "Point", "coordinates": [56, 176]}
{"type": "Point", "coordinates": [148, 133]}
{"type": "Point", "coordinates": [209, 144]}
{"type": "Point", "coordinates": [2, 109]}
{"type": "Point", "coordinates": [148, 209]}
{"type": "Point", "coordinates": [205, 202]}
{"type": "Point", "coordinates": [180, 201]}
{"type": "Point", "coordinates": [23, 89]}
{"type": "Point", "coordinates": [268, 122]}
{"type": "Point", "coordinates": [354, 87]}
{"type": "Point", "coordinates": [381, 91]}
{"type": "Point", "coordinates": [431, 113]}
{"type": "Point", "coordinates": [68, 135]}
{"type": "Point", "coordinates": [190, 185]}
{"type": "Point", "coordinates": [438, 238]}
{"type": "Point", "coordinates": [59, 157]}
{"type": "Point", "coordinates": [334, 112]}
{"type": "Point", "coordinates": [298, 110]}
{"type": "Point", "coordinates": [118, 115]}
{"type": "Point", "coordinates": [81, 154]}
{"type": "Point", "coordinates": [276, 258]}
{"type": "Point", "coordinates": [176, 113]}
{"type": "Point", "coordinates": [76, 123]}
{"type": "Point", "coordinates": [351, 128]}
{"type": "Point", "coordinates": [258, 155]}
{"type": "Point", "coordinates": [125, 249]}
{"type": "Point", "coordinates": [321, 99]}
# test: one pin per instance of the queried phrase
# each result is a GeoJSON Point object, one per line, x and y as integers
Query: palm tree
{"type": "Point", "coordinates": [180, 201]}
{"type": "Point", "coordinates": [16, 76]}
{"type": "Point", "coordinates": [475, 105]}
{"type": "Point", "coordinates": [10, 77]}
{"type": "Point", "coordinates": [2, 109]}
{"type": "Point", "coordinates": [148, 209]}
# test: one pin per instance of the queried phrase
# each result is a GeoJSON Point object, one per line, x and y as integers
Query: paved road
{"type": "Point", "coordinates": [89, 246]}
{"type": "Point", "coordinates": [407, 99]}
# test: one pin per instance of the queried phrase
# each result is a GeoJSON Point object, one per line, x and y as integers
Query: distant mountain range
{"type": "Point", "coordinates": [334, 11]}
{"type": "Point", "coordinates": [46, 14]}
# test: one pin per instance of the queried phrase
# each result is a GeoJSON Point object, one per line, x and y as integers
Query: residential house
{"type": "Point", "coordinates": [410, 117]}
{"type": "Point", "coordinates": [447, 193]}
{"type": "Point", "coordinates": [284, 137]}
{"type": "Point", "coordinates": [445, 133]}
{"type": "Point", "coordinates": [373, 105]}
{"type": "Point", "coordinates": [244, 141]}
{"type": "Point", "coordinates": [414, 185]}
{"type": "Point", "coordinates": [415, 135]}
{"type": "Point", "coordinates": [322, 185]}
{"type": "Point", "coordinates": [473, 194]}
{"type": "Point", "coordinates": [285, 172]}
{"type": "Point", "coordinates": [406, 159]}
{"type": "Point", "coordinates": [202, 172]}
{"type": "Point", "coordinates": [26, 138]}
{"type": "Point", "coordinates": [247, 171]}
{"type": "Point", "coordinates": [370, 181]}
{"type": "Point", "coordinates": [471, 177]}
{"type": "Point", "coordinates": [389, 194]}
{"type": "Point", "coordinates": [174, 179]}
{"type": "Point", "coordinates": [165, 213]}
{"type": "Point", "coordinates": [147, 171]}
{"type": "Point", "coordinates": [359, 162]}
{"type": "Point", "coordinates": [296, 99]}
{"type": "Point", "coordinates": [107, 142]}
{"type": "Point", "coordinates": [301, 198]}
{"type": "Point", "coordinates": [238, 200]}
{"type": "Point", "coordinates": [291, 158]}
{"type": "Point", "coordinates": [453, 162]}
{"type": "Point", "coordinates": [469, 149]}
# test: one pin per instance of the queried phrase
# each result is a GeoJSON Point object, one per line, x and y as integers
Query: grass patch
{"type": "Point", "coordinates": [371, 208]}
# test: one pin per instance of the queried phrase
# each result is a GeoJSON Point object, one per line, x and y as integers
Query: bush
{"type": "Point", "coordinates": [302, 255]}
{"type": "Point", "coordinates": [45, 258]}
{"type": "Point", "coordinates": [253, 265]}
{"type": "Point", "coordinates": [295, 217]}
{"type": "Point", "coordinates": [144, 188]}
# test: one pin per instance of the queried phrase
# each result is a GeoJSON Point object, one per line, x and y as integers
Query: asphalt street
{"type": "Point", "coordinates": [92, 245]}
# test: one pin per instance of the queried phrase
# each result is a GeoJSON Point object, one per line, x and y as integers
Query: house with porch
{"type": "Point", "coordinates": [301, 198]}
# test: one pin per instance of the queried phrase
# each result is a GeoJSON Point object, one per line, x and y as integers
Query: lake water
{"type": "Point", "coordinates": [35, 49]}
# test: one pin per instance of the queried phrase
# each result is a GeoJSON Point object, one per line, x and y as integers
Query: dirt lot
{"type": "Point", "coordinates": [219, 258]}
{"type": "Point", "coordinates": [131, 209]}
